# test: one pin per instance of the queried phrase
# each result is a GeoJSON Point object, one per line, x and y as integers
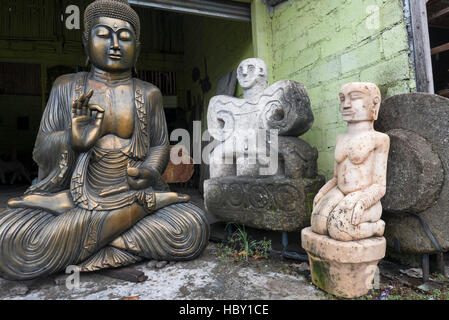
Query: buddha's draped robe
{"type": "Point", "coordinates": [35, 243]}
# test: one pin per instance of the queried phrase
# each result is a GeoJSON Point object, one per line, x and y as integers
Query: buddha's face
{"type": "Point", "coordinates": [112, 45]}
{"type": "Point", "coordinates": [250, 72]}
{"type": "Point", "coordinates": [359, 102]}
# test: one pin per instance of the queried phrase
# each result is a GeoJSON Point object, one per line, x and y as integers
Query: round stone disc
{"type": "Point", "coordinates": [414, 173]}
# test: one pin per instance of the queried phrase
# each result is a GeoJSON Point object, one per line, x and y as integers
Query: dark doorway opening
{"type": "Point", "coordinates": [438, 21]}
{"type": "Point", "coordinates": [184, 55]}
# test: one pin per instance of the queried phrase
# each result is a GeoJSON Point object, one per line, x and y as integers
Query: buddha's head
{"type": "Point", "coordinates": [360, 101]}
{"type": "Point", "coordinates": [252, 73]}
{"type": "Point", "coordinates": [111, 35]}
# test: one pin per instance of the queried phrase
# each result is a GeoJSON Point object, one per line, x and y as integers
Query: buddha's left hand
{"type": "Point", "coordinates": [139, 178]}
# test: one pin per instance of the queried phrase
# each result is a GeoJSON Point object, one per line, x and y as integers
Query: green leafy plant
{"type": "Point", "coordinates": [241, 248]}
{"type": "Point", "coordinates": [440, 277]}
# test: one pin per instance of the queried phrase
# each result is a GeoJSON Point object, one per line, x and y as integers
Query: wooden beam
{"type": "Point", "coordinates": [421, 44]}
{"type": "Point", "coordinates": [224, 9]}
{"type": "Point", "coordinates": [440, 49]}
{"type": "Point", "coordinates": [439, 14]}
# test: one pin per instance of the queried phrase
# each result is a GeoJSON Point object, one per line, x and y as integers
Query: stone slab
{"type": "Point", "coordinates": [270, 203]}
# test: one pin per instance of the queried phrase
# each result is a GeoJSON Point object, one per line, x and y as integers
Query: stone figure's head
{"type": "Point", "coordinates": [251, 73]}
{"type": "Point", "coordinates": [111, 35]}
{"type": "Point", "coordinates": [360, 101]}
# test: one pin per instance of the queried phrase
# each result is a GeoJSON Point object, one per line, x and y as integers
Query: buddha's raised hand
{"type": "Point", "coordinates": [86, 130]}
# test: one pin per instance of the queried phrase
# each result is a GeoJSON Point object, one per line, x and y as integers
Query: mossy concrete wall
{"type": "Point", "coordinates": [326, 43]}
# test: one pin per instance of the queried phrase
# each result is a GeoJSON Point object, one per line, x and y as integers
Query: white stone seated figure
{"type": "Point", "coordinates": [348, 206]}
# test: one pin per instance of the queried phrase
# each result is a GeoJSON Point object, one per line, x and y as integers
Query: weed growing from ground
{"type": "Point", "coordinates": [240, 247]}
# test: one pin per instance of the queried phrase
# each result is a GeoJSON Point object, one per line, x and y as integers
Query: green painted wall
{"type": "Point", "coordinates": [326, 43]}
{"type": "Point", "coordinates": [224, 44]}
{"type": "Point", "coordinates": [262, 34]}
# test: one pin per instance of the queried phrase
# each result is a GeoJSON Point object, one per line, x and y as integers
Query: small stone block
{"type": "Point", "coordinates": [19, 290]}
{"type": "Point", "coordinates": [152, 264]}
{"type": "Point", "coordinates": [127, 274]}
{"type": "Point", "coordinates": [161, 264]}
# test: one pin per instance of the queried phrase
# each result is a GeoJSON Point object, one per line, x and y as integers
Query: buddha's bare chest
{"type": "Point", "coordinates": [118, 103]}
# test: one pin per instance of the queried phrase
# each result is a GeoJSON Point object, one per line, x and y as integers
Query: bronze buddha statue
{"type": "Point", "coordinates": [100, 201]}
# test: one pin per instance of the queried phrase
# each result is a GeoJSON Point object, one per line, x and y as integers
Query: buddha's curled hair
{"type": "Point", "coordinates": [118, 9]}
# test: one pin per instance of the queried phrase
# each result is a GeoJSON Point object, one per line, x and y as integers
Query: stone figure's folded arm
{"type": "Point", "coordinates": [372, 195]}
{"type": "Point", "coordinates": [377, 190]}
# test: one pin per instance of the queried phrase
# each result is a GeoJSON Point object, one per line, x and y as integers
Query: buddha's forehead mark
{"type": "Point", "coordinates": [112, 23]}
{"type": "Point", "coordinates": [116, 29]}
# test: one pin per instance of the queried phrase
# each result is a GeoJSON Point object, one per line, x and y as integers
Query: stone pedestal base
{"type": "Point", "coordinates": [269, 203]}
{"type": "Point", "coordinates": [344, 269]}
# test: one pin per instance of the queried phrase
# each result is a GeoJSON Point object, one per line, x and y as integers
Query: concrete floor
{"type": "Point", "coordinates": [208, 277]}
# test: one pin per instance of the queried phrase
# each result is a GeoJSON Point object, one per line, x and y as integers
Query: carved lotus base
{"type": "Point", "coordinates": [269, 203]}
{"type": "Point", "coordinates": [344, 269]}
